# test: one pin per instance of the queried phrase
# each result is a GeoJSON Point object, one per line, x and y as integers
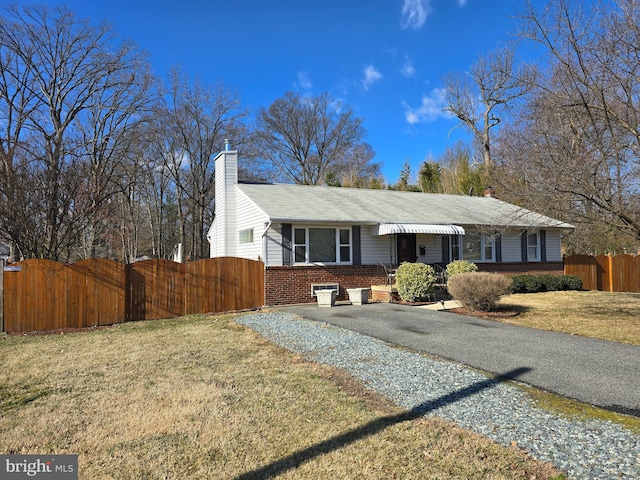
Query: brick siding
{"type": "Point", "coordinates": [287, 285]}
{"type": "Point", "coordinates": [292, 284]}
{"type": "Point", "coordinates": [517, 268]}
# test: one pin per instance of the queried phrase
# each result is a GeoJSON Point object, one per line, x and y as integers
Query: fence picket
{"type": "Point", "coordinates": [618, 273]}
{"type": "Point", "coordinates": [47, 295]}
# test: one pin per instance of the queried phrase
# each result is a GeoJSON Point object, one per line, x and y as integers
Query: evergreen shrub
{"type": "Point", "coordinates": [415, 281]}
{"type": "Point", "coordinates": [460, 266]}
{"type": "Point", "coordinates": [544, 283]}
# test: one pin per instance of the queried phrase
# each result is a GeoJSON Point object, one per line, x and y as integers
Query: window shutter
{"type": "Point", "coordinates": [523, 246]}
{"type": "Point", "coordinates": [286, 244]}
{"type": "Point", "coordinates": [543, 245]}
{"type": "Point", "coordinates": [355, 238]}
{"type": "Point", "coordinates": [445, 249]}
{"type": "Point", "coordinates": [498, 246]}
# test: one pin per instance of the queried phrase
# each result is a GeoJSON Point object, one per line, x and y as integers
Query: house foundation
{"type": "Point", "coordinates": [286, 285]}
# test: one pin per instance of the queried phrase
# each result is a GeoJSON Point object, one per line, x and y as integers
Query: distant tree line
{"type": "Point", "coordinates": [99, 158]}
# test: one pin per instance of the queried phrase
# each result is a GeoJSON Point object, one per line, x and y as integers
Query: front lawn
{"type": "Point", "coordinates": [201, 397]}
{"type": "Point", "coordinates": [603, 315]}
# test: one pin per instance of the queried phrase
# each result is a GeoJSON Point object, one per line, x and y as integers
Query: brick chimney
{"type": "Point", "coordinates": [489, 192]}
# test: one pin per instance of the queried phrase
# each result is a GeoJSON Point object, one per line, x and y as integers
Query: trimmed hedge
{"type": "Point", "coordinates": [460, 266]}
{"type": "Point", "coordinates": [544, 283]}
{"type": "Point", "coordinates": [415, 281]}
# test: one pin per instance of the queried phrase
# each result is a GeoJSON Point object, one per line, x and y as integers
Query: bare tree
{"type": "Point", "coordinates": [356, 169]}
{"type": "Point", "coordinates": [307, 138]}
{"type": "Point", "coordinates": [190, 129]}
{"type": "Point", "coordinates": [578, 145]}
{"type": "Point", "coordinates": [68, 92]}
{"type": "Point", "coordinates": [479, 97]}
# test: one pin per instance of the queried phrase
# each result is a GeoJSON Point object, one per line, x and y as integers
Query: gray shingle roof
{"type": "Point", "coordinates": [321, 204]}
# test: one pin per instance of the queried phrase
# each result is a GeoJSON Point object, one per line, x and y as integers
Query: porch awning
{"type": "Point", "coordinates": [391, 228]}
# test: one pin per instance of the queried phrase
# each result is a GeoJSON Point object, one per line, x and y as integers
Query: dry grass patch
{"type": "Point", "coordinates": [202, 397]}
{"type": "Point", "coordinates": [603, 315]}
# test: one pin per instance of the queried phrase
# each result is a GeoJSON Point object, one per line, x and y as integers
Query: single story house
{"type": "Point", "coordinates": [313, 235]}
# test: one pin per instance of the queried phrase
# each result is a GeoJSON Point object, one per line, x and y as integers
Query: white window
{"type": "Point", "coordinates": [246, 236]}
{"type": "Point", "coordinates": [478, 247]}
{"type": "Point", "coordinates": [322, 245]}
{"type": "Point", "coordinates": [533, 247]}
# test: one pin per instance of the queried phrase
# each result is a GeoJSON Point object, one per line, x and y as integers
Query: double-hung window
{"type": "Point", "coordinates": [479, 247]}
{"type": "Point", "coordinates": [322, 245]}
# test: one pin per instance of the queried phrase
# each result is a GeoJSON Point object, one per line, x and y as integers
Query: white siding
{"type": "Point", "coordinates": [433, 248]}
{"type": "Point", "coordinates": [554, 246]}
{"type": "Point", "coordinates": [249, 217]}
{"type": "Point", "coordinates": [223, 229]}
{"type": "Point", "coordinates": [511, 249]}
{"type": "Point", "coordinates": [215, 238]}
{"type": "Point", "coordinates": [273, 255]}
{"type": "Point", "coordinates": [376, 249]}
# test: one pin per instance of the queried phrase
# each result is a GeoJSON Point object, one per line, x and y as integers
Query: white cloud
{"type": "Point", "coordinates": [429, 110]}
{"type": "Point", "coordinates": [408, 70]}
{"type": "Point", "coordinates": [462, 3]}
{"type": "Point", "coordinates": [415, 12]}
{"type": "Point", "coordinates": [304, 81]}
{"type": "Point", "coordinates": [371, 76]}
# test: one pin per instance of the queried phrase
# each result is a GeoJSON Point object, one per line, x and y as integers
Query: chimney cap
{"type": "Point", "coordinates": [227, 145]}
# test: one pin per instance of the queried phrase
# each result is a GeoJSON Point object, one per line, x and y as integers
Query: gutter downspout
{"type": "Point", "coordinates": [264, 243]}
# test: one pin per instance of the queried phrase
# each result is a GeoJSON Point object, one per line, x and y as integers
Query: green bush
{"type": "Point", "coordinates": [544, 283]}
{"type": "Point", "coordinates": [518, 284]}
{"type": "Point", "coordinates": [479, 291]}
{"type": "Point", "coordinates": [415, 281]}
{"type": "Point", "coordinates": [571, 282]}
{"type": "Point", "coordinates": [460, 266]}
{"type": "Point", "coordinates": [551, 283]}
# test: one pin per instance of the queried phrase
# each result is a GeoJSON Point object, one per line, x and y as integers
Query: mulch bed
{"type": "Point", "coordinates": [494, 314]}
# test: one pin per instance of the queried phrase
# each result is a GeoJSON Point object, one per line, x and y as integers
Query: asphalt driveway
{"type": "Point", "coordinates": [601, 373]}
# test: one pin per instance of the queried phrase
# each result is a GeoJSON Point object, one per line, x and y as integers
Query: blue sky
{"type": "Point", "coordinates": [386, 58]}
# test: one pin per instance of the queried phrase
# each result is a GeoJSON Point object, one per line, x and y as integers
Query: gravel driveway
{"type": "Point", "coordinates": [597, 372]}
{"type": "Point", "coordinates": [584, 449]}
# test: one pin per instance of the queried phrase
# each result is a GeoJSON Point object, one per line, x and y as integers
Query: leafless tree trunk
{"type": "Point", "coordinates": [69, 93]}
{"type": "Point", "coordinates": [309, 138]}
{"type": "Point", "coordinates": [190, 129]}
{"type": "Point", "coordinates": [479, 97]}
{"type": "Point", "coordinates": [578, 145]}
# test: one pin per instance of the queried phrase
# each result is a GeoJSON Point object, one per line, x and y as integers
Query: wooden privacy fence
{"type": "Point", "coordinates": [46, 295]}
{"type": "Point", "coordinates": [618, 273]}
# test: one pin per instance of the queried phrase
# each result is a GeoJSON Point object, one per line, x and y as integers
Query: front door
{"type": "Point", "coordinates": [406, 247]}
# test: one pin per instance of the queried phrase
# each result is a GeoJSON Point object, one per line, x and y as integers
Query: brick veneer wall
{"type": "Point", "coordinates": [292, 284]}
{"type": "Point", "coordinates": [287, 285]}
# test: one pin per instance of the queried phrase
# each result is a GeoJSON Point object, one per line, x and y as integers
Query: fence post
{"type": "Point", "coordinates": [1, 295]}
{"type": "Point", "coordinates": [610, 273]}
